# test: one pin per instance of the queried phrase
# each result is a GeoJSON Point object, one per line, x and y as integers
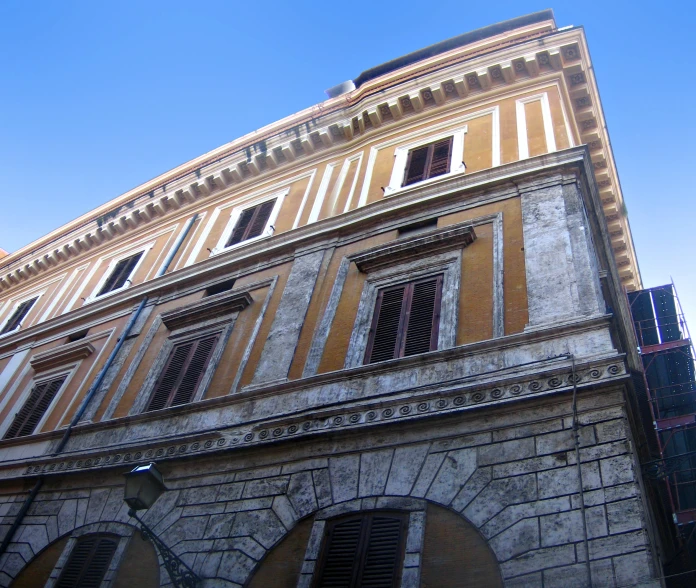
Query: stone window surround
{"type": "Point", "coordinates": [68, 370]}
{"type": "Point", "coordinates": [401, 158]}
{"type": "Point", "coordinates": [521, 115]}
{"type": "Point", "coordinates": [122, 534]}
{"type": "Point", "coordinates": [237, 211]}
{"type": "Point", "coordinates": [112, 264]}
{"type": "Point", "coordinates": [12, 307]}
{"type": "Point", "coordinates": [222, 325]}
{"type": "Point", "coordinates": [416, 510]}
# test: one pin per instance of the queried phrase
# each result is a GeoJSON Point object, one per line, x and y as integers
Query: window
{"type": "Point", "coordinates": [120, 274]}
{"type": "Point", "coordinates": [16, 318]}
{"type": "Point", "coordinates": [363, 550]}
{"type": "Point", "coordinates": [405, 321]}
{"type": "Point", "coordinates": [251, 222]}
{"type": "Point", "coordinates": [183, 372]}
{"type": "Point", "coordinates": [88, 562]}
{"type": "Point", "coordinates": [428, 161]}
{"type": "Point", "coordinates": [34, 408]}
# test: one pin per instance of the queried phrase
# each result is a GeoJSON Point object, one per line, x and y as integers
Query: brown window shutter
{"type": "Point", "coordinates": [120, 274]}
{"type": "Point", "coordinates": [422, 323]}
{"type": "Point", "coordinates": [18, 316]}
{"type": "Point", "coordinates": [405, 321]}
{"type": "Point", "coordinates": [416, 165]}
{"type": "Point", "coordinates": [440, 160]}
{"type": "Point", "coordinates": [251, 222]}
{"type": "Point", "coordinates": [30, 414]}
{"type": "Point", "coordinates": [364, 550]}
{"type": "Point", "coordinates": [384, 334]}
{"type": "Point", "coordinates": [182, 373]}
{"type": "Point", "coordinates": [88, 562]}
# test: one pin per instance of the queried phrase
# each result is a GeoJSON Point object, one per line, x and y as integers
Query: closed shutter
{"type": "Point", "coordinates": [183, 372]}
{"type": "Point", "coordinates": [18, 316]}
{"type": "Point", "coordinates": [120, 274]}
{"type": "Point", "coordinates": [251, 222]}
{"type": "Point", "coordinates": [34, 408]}
{"type": "Point", "coordinates": [363, 550]}
{"type": "Point", "coordinates": [428, 161]}
{"type": "Point", "coordinates": [406, 320]}
{"type": "Point", "coordinates": [88, 562]}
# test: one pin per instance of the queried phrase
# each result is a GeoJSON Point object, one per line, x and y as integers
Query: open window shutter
{"type": "Point", "coordinates": [416, 165]}
{"type": "Point", "coordinates": [34, 408]}
{"type": "Point", "coordinates": [88, 562]}
{"type": "Point", "coordinates": [340, 559]}
{"type": "Point", "coordinates": [440, 161]}
{"type": "Point", "coordinates": [258, 224]}
{"type": "Point", "coordinates": [423, 317]}
{"type": "Point", "coordinates": [384, 335]}
{"type": "Point", "coordinates": [18, 315]}
{"type": "Point", "coordinates": [171, 375]}
{"type": "Point", "coordinates": [200, 356]}
{"type": "Point", "coordinates": [240, 228]}
{"type": "Point", "coordinates": [382, 557]}
{"type": "Point", "coordinates": [363, 551]}
{"type": "Point", "coordinates": [120, 274]}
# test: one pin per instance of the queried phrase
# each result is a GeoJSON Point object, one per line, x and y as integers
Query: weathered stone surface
{"type": "Point", "coordinates": [617, 544]}
{"type": "Point", "coordinates": [626, 515]}
{"type": "Point", "coordinates": [563, 440]}
{"type": "Point", "coordinates": [235, 566]}
{"type": "Point", "coordinates": [315, 537]}
{"type": "Point", "coordinates": [374, 469]}
{"type": "Point", "coordinates": [322, 487]}
{"type": "Point", "coordinates": [416, 530]}
{"type": "Point", "coordinates": [454, 472]}
{"type": "Point", "coordinates": [633, 569]}
{"type": "Point", "coordinates": [301, 493]}
{"type": "Point", "coordinates": [186, 529]}
{"type": "Point", "coordinates": [406, 465]}
{"type": "Point", "coordinates": [611, 431]}
{"type": "Point", "coordinates": [266, 487]}
{"type": "Point", "coordinates": [97, 501]}
{"type": "Point", "coordinates": [499, 494]}
{"type": "Point", "coordinates": [427, 474]}
{"type": "Point", "coordinates": [219, 525]}
{"type": "Point", "coordinates": [66, 516]}
{"type": "Point", "coordinates": [262, 525]}
{"type": "Point", "coordinates": [520, 538]}
{"type": "Point", "coordinates": [561, 528]}
{"type": "Point", "coordinates": [530, 580]}
{"type": "Point", "coordinates": [230, 491]}
{"type": "Point", "coordinates": [506, 451]}
{"type": "Point", "coordinates": [565, 480]}
{"type": "Point", "coordinates": [617, 470]}
{"type": "Point", "coordinates": [511, 514]}
{"type": "Point", "coordinates": [602, 573]}
{"type": "Point", "coordinates": [575, 575]}
{"type": "Point", "coordinates": [285, 512]}
{"type": "Point", "coordinates": [539, 560]}
{"type": "Point", "coordinates": [474, 485]}
{"type": "Point", "coordinates": [344, 472]}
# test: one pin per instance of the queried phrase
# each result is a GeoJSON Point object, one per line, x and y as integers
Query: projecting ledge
{"type": "Point", "coordinates": [62, 355]}
{"type": "Point", "coordinates": [452, 237]}
{"type": "Point", "coordinates": [207, 308]}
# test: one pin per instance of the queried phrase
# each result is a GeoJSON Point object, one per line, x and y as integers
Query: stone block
{"type": "Point", "coordinates": [461, 442]}
{"type": "Point", "coordinates": [617, 470]}
{"type": "Point", "coordinates": [306, 464]}
{"type": "Point", "coordinates": [563, 440]}
{"type": "Point", "coordinates": [596, 522]}
{"type": "Point", "coordinates": [368, 503]}
{"type": "Point", "coordinates": [185, 529]}
{"type": "Point", "coordinates": [81, 511]}
{"type": "Point", "coordinates": [322, 487]}
{"type": "Point", "coordinates": [602, 573]}
{"type": "Point", "coordinates": [249, 504]}
{"type": "Point", "coordinates": [565, 480]}
{"type": "Point", "coordinates": [474, 485]}
{"type": "Point", "coordinates": [219, 526]}
{"type": "Point", "coordinates": [344, 472]}
{"type": "Point", "coordinates": [374, 469]}
{"type": "Point", "coordinates": [301, 493]}
{"type": "Point", "coordinates": [267, 472]}
{"type": "Point", "coordinates": [454, 472]}
{"type": "Point", "coordinates": [66, 516]}
{"type": "Point", "coordinates": [427, 474]}
{"type": "Point", "coordinates": [263, 525]}
{"type": "Point", "coordinates": [538, 560]}
{"type": "Point", "coordinates": [611, 430]}
{"type": "Point", "coordinates": [499, 494]}
{"type": "Point", "coordinates": [527, 581]}
{"type": "Point", "coordinates": [602, 451]}
{"type": "Point", "coordinates": [626, 515]}
{"type": "Point", "coordinates": [235, 566]}
{"type": "Point", "coordinates": [285, 511]}
{"type": "Point", "coordinates": [406, 465]}
{"type": "Point", "coordinates": [617, 544]}
{"type": "Point", "coordinates": [561, 528]}
{"type": "Point", "coordinates": [97, 500]}
{"type": "Point", "coordinates": [575, 576]}
{"type": "Point", "coordinates": [314, 542]}
{"type": "Point", "coordinates": [230, 491]}
{"type": "Point", "coordinates": [506, 451]}
{"type": "Point", "coordinates": [198, 495]}
{"type": "Point", "coordinates": [202, 509]}
{"type": "Point", "coordinates": [527, 466]}
{"type": "Point", "coordinates": [416, 530]}
{"type": "Point", "coordinates": [528, 430]}
{"type": "Point", "coordinates": [266, 487]}
{"type": "Point", "coordinates": [520, 538]}
{"type": "Point", "coordinates": [621, 492]}
{"type": "Point", "coordinates": [410, 577]}
{"type": "Point", "coordinates": [209, 565]}
{"type": "Point", "coordinates": [516, 512]}
{"type": "Point", "coordinates": [632, 569]}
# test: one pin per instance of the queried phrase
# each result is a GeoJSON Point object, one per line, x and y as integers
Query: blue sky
{"type": "Point", "coordinates": [97, 97]}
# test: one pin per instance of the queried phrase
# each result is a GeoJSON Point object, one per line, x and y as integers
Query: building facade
{"type": "Point", "coordinates": [384, 341]}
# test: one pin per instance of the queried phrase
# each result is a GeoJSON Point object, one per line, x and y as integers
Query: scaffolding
{"type": "Point", "coordinates": [670, 392]}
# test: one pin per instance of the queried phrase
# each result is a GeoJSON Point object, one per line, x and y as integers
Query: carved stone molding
{"type": "Point", "coordinates": [61, 355]}
{"type": "Point", "coordinates": [456, 399]}
{"type": "Point", "coordinates": [396, 252]}
{"type": "Point", "coordinates": [206, 309]}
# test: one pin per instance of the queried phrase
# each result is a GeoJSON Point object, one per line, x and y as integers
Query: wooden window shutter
{"type": "Point", "coordinates": [18, 315]}
{"type": "Point", "coordinates": [183, 372]}
{"type": "Point", "coordinates": [251, 222]}
{"type": "Point", "coordinates": [34, 408]}
{"type": "Point", "coordinates": [120, 274]}
{"type": "Point", "coordinates": [428, 161]}
{"type": "Point", "coordinates": [88, 562]}
{"type": "Point", "coordinates": [364, 550]}
{"type": "Point", "coordinates": [406, 320]}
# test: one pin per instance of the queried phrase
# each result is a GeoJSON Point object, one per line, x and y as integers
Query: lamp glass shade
{"type": "Point", "coordinates": [144, 485]}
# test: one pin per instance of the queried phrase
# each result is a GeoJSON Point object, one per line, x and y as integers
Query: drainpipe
{"type": "Point", "coordinates": [95, 386]}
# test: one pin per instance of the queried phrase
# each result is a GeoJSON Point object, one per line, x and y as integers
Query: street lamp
{"type": "Point", "coordinates": [144, 485]}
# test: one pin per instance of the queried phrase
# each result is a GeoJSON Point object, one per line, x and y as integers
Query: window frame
{"type": "Point", "coordinates": [143, 249]}
{"type": "Point", "coordinates": [237, 211]}
{"type": "Point", "coordinates": [13, 309]}
{"type": "Point", "coordinates": [401, 159]}
{"type": "Point", "coordinates": [67, 371]}
{"type": "Point", "coordinates": [449, 264]}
